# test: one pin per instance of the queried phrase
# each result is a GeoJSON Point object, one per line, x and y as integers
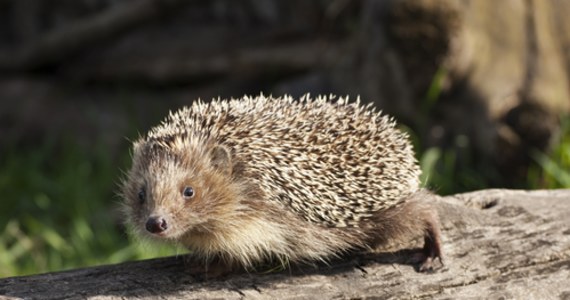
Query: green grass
{"type": "Point", "coordinates": [59, 210]}
{"type": "Point", "coordinates": [454, 170]}
{"type": "Point", "coordinates": [552, 170]}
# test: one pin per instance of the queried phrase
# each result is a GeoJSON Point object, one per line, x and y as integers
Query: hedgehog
{"type": "Point", "coordinates": [262, 178]}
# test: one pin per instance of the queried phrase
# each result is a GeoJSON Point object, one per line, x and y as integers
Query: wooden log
{"type": "Point", "coordinates": [57, 45]}
{"type": "Point", "coordinates": [279, 60]}
{"type": "Point", "coordinates": [499, 244]}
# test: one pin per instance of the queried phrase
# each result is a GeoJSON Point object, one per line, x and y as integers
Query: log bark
{"type": "Point", "coordinates": [58, 45]}
{"type": "Point", "coordinates": [499, 244]}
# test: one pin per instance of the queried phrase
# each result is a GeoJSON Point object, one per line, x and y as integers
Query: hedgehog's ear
{"type": "Point", "coordinates": [221, 159]}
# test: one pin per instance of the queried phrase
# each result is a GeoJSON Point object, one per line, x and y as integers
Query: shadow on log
{"type": "Point", "coordinates": [499, 244]}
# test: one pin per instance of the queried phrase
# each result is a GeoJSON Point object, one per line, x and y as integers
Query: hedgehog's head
{"type": "Point", "coordinates": [177, 187]}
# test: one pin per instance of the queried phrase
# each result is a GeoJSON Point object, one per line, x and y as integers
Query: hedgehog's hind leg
{"type": "Point", "coordinates": [407, 221]}
{"type": "Point", "coordinates": [432, 244]}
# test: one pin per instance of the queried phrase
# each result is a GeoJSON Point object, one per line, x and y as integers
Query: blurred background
{"type": "Point", "coordinates": [481, 86]}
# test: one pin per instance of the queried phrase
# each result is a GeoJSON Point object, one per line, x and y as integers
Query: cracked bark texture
{"type": "Point", "coordinates": [499, 244]}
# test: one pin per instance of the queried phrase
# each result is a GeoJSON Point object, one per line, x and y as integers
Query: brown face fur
{"type": "Point", "coordinates": [155, 187]}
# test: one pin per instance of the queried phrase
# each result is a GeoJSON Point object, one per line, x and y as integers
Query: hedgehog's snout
{"type": "Point", "coordinates": [156, 225]}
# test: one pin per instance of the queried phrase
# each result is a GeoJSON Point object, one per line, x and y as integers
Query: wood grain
{"type": "Point", "coordinates": [499, 244]}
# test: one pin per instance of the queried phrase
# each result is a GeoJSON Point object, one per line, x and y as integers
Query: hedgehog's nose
{"type": "Point", "coordinates": [156, 225]}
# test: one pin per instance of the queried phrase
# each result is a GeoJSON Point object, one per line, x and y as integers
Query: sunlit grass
{"type": "Point", "coordinates": [59, 210]}
{"type": "Point", "coordinates": [553, 169]}
{"type": "Point", "coordinates": [453, 170]}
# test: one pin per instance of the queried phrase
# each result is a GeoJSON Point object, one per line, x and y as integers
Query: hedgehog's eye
{"type": "Point", "coordinates": [188, 193]}
{"type": "Point", "coordinates": [142, 195]}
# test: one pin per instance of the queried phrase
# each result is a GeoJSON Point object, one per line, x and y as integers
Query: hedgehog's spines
{"type": "Point", "coordinates": [324, 114]}
{"type": "Point", "coordinates": [301, 180]}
